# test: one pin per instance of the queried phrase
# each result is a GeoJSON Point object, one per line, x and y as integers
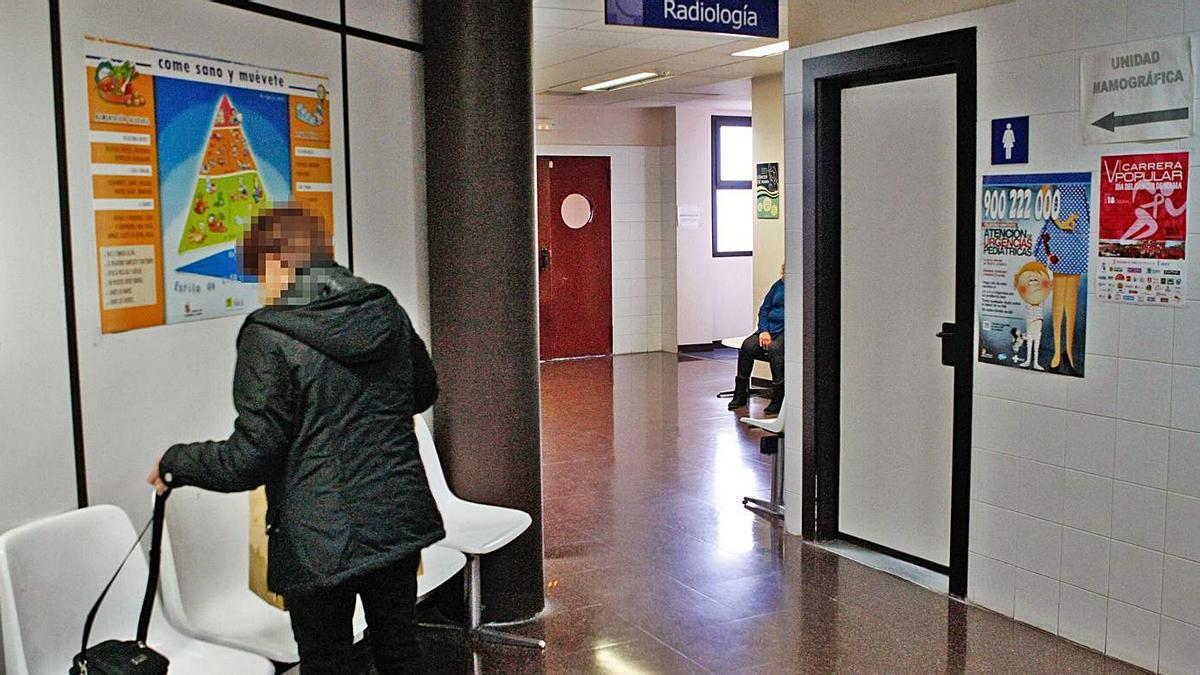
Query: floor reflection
{"type": "Point", "coordinates": [653, 566]}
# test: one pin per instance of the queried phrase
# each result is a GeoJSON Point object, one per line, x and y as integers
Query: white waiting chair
{"type": "Point", "coordinates": [52, 570]}
{"type": "Point", "coordinates": [439, 564]}
{"type": "Point", "coordinates": [476, 530]}
{"type": "Point", "coordinates": [205, 577]}
{"type": "Point", "coordinates": [770, 445]}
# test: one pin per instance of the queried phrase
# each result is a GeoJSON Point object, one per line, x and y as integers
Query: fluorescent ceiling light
{"type": "Point", "coordinates": [622, 82]}
{"type": "Point", "coordinates": [765, 50]}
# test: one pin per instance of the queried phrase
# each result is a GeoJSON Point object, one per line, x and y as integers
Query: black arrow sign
{"type": "Point", "coordinates": [1111, 121]}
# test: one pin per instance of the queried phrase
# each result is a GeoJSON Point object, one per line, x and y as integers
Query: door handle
{"type": "Point", "coordinates": [544, 260]}
{"type": "Point", "coordinates": [948, 335]}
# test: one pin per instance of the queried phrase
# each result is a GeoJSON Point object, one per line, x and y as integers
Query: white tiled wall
{"type": "Point", "coordinates": [667, 248]}
{"type": "Point", "coordinates": [643, 248]}
{"type": "Point", "coordinates": [1085, 512]}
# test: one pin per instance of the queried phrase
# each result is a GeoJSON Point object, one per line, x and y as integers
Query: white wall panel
{"type": "Point", "coordinates": [37, 456]}
{"type": "Point", "coordinates": [328, 10]}
{"type": "Point", "coordinates": [397, 18]}
{"type": "Point", "coordinates": [1082, 616]}
{"type": "Point", "coordinates": [387, 149]}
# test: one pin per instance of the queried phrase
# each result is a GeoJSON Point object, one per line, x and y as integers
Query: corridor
{"type": "Point", "coordinates": [653, 565]}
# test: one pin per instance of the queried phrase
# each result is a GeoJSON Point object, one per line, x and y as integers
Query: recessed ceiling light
{"type": "Point", "coordinates": [765, 50]}
{"type": "Point", "coordinates": [626, 81]}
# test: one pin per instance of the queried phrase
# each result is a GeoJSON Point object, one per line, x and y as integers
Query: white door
{"type": "Point", "coordinates": [898, 286]}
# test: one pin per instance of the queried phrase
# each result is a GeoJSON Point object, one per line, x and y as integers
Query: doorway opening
{"type": "Point", "coordinates": [574, 257]}
{"type": "Point", "coordinates": [889, 299]}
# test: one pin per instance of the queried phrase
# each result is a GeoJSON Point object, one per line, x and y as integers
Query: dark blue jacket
{"type": "Point", "coordinates": [770, 315]}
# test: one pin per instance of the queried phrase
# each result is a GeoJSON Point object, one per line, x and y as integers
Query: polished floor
{"type": "Point", "coordinates": [653, 566]}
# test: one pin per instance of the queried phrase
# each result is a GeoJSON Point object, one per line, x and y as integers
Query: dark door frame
{"type": "Point", "coordinates": [824, 80]}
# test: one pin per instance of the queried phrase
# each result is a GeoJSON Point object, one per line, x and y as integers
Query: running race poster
{"type": "Point", "coordinates": [1143, 228]}
{"type": "Point", "coordinates": [1033, 271]}
{"type": "Point", "coordinates": [185, 151]}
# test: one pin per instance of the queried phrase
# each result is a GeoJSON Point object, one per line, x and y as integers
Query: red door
{"type": "Point", "coordinates": [574, 256]}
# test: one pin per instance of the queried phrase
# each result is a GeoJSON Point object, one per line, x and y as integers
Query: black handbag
{"type": "Point", "coordinates": [128, 657]}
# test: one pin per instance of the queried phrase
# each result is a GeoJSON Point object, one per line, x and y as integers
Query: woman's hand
{"type": "Point", "coordinates": [156, 480]}
{"type": "Point", "coordinates": [764, 339]}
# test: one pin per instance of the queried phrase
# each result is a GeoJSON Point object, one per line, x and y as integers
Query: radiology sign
{"type": "Point", "coordinates": [758, 18]}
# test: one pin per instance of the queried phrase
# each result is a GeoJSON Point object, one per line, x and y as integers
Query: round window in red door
{"type": "Point", "coordinates": [576, 211]}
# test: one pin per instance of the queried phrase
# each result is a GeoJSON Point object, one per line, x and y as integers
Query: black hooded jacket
{"type": "Point", "coordinates": [325, 389]}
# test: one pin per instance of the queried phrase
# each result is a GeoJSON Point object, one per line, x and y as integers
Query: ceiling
{"type": "Point", "coordinates": [572, 47]}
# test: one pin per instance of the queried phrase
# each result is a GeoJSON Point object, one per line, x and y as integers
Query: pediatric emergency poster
{"type": "Point", "coordinates": [1143, 228]}
{"type": "Point", "coordinates": [185, 151]}
{"type": "Point", "coordinates": [1033, 271]}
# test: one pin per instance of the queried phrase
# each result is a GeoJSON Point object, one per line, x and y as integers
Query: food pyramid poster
{"type": "Point", "coordinates": [223, 156]}
{"type": "Point", "coordinates": [185, 151]}
{"type": "Point", "coordinates": [228, 187]}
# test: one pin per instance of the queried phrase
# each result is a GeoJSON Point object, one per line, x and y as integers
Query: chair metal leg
{"type": "Point", "coordinates": [474, 627]}
{"type": "Point", "coordinates": [502, 638]}
{"type": "Point", "coordinates": [751, 392]}
{"type": "Point", "coordinates": [763, 507]}
{"type": "Point", "coordinates": [773, 508]}
{"type": "Point", "coordinates": [473, 593]}
{"type": "Point", "coordinates": [777, 475]}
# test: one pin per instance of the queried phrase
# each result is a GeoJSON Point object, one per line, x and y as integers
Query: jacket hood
{"type": "Point", "coordinates": [348, 319]}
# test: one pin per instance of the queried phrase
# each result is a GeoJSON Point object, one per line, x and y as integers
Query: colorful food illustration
{"type": "Point", "coordinates": [226, 195]}
{"type": "Point", "coordinates": [114, 83]}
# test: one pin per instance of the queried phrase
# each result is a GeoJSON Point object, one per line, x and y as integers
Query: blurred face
{"type": "Point", "coordinates": [781, 268]}
{"type": "Point", "coordinates": [1033, 287]}
{"type": "Point", "coordinates": [275, 280]}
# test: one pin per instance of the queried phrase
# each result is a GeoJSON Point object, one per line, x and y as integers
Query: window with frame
{"type": "Point", "coordinates": [732, 186]}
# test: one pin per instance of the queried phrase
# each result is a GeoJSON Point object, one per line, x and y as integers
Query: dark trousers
{"type": "Point", "coordinates": [322, 622]}
{"type": "Point", "coordinates": [751, 351]}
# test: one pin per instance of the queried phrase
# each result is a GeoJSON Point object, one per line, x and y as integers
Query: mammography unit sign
{"type": "Point", "coordinates": [1137, 92]}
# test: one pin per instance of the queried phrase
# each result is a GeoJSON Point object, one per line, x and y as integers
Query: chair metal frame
{"type": "Point", "coordinates": [770, 445]}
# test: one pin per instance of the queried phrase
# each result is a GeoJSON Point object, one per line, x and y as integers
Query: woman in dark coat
{"type": "Point", "coordinates": [329, 375]}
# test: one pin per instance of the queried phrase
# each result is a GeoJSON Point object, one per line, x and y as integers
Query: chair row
{"type": "Point", "coordinates": [208, 621]}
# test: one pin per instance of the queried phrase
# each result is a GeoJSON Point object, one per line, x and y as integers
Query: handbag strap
{"type": "Point", "coordinates": [148, 601]}
{"type": "Point", "coordinates": [160, 504]}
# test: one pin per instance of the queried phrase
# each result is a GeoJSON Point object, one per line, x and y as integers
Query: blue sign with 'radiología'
{"type": "Point", "coordinates": [759, 18]}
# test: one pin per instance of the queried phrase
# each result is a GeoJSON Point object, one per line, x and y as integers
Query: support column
{"type": "Point", "coordinates": [482, 274]}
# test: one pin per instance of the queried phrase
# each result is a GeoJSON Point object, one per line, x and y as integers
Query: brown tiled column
{"type": "Point", "coordinates": [483, 282]}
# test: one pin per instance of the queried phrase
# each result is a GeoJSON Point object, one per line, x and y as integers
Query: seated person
{"type": "Point", "coordinates": [766, 344]}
